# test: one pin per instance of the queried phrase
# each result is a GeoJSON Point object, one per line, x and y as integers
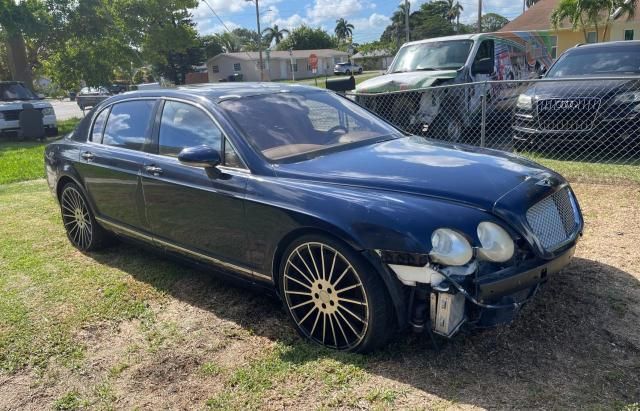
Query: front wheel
{"type": "Point", "coordinates": [334, 297]}
{"type": "Point", "coordinates": [82, 229]}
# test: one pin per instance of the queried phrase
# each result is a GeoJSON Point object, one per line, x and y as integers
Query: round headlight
{"type": "Point", "coordinates": [497, 244]}
{"type": "Point", "coordinates": [450, 247]}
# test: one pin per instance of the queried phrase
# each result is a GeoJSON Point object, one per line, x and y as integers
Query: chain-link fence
{"type": "Point", "coordinates": [587, 128]}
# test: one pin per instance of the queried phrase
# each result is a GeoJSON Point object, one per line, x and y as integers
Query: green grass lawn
{"type": "Point", "coordinates": [320, 81]}
{"type": "Point", "coordinates": [23, 160]}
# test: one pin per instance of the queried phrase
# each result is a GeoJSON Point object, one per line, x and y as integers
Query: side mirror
{"type": "Point", "coordinates": [200, 156]}
{"type": "Point", "coordinates": [483, 66]}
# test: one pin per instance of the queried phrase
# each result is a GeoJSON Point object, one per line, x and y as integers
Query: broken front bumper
{"type": "Point", "coordinates": [496, 299]}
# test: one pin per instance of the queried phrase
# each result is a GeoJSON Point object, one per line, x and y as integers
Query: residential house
{"type": "Point", "coordinates": [278, 65]}
{"type": "Point", "coordinates": [374, 59]}
{"type": "Point", "coordinates": [538, 19]}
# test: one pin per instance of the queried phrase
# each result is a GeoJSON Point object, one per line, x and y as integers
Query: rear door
{"type": "Point", "coordinates": [190, 209]}
{"type": "Point", "coordinates": [110, 164]}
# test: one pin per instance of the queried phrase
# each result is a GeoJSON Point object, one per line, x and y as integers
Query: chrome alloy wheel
{"type": "Point", "coordinates": [325, 296]}
{"type": "Point", "coordinates": [76, 218]}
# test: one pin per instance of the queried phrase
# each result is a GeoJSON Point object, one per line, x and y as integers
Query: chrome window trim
{"type": "Point", "coordinates": [109, 106]}
{"type": "Point", "coordinates": [182, 250]}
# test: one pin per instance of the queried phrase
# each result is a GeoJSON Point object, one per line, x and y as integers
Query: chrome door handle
{"type": "Point", "coordinates": [87, 155]}
{"type": "Point", "coordinates": [154, 170]}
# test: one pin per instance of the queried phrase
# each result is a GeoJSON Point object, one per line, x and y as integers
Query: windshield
{"type": "Point", "coordinates": [621, 60]}
{"type": "Point", "coordinates": [16, 91]}
{"type": "Point", "coordinates": [283, 125]}
{"type": "Point", "coordinates": [436, 55]}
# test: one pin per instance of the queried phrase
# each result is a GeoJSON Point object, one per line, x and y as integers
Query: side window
{"type": "Point", "coordinates": [485, 50]}
{"type": "Point", "coordinates": [98, 126]}
{"type": "Point", "coordinates": [129, 124]}
{"type": "Point", "coordinates": [184, 125]}
{"type": "Point", "coordinates": [231, 158]}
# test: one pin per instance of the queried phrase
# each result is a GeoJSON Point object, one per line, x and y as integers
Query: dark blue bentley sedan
{"type": "Point", "coordinates": [361, 229]}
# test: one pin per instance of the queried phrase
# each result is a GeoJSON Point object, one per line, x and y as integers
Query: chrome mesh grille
{"type": "Point", "coordinates": [553, 219]}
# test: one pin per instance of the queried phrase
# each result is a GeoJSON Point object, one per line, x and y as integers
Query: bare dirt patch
{"type": "Point", "coordinates": [212, 344]}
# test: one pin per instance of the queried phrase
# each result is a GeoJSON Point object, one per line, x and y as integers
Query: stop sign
{"type": "Point", "coordinates": [313, 61]}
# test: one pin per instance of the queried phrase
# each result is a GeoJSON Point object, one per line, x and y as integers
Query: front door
{"type": "Point", "coordinates": [110, 164]}
{"type": "Point", "coordinates": [189, 207]}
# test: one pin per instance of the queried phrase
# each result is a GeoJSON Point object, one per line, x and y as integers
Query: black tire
{"type": "Point", "coordinates": [348, 72]}
{"type": "Point", "coordinates": [360, 71]}
{"type": "Point", "coordinates": [361, 309]}
{"type": "Point", "coordinates": [83, 231]}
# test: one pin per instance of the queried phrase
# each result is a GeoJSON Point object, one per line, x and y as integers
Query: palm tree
{"type": "Point", "coordinates": [582, 14]}
{"type": "Point", "coordinates": [343, 29]}
{"type": "Point", "coordinates": [229, 42]}
{"type": "Point", "coordinates": [455, 10]}
{"type": "Point", "coordinates": [274, 33]}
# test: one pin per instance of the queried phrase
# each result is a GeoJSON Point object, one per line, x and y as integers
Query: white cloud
{"type": "Point", "coordinates": [333, 9]}
{"type": "Point", "coordinates": [290, 22]}
{"type": "Point", "coordinates": [211, 26]}
{"type": "Point", "coordinates": [374, 21]}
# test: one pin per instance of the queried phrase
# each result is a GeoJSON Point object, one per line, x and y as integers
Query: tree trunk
{"type": "Point", "coordinates": [17, 56]}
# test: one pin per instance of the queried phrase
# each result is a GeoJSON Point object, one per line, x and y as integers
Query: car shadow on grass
{"type": "Point", "coordinates": [576, 345]}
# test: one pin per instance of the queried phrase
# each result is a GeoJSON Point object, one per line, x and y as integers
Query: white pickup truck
{"type": "Point", "coordinates": [13, 95]}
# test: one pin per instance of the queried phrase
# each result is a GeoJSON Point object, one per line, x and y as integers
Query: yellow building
{"type": "Point", "coordinates": [538, 19]}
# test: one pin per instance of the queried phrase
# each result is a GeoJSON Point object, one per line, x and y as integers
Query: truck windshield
{"type": "Point", "coordinates": [16, 91]}
{"type": "Point", "coordinates": [586, 62]}
{"type": "Point", "coordinates": [435, 55]}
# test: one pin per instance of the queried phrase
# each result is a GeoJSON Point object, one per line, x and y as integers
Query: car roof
{"type": "Point", "coordinates": [223, 91]}
{"type": "Point", "coordinates": [610, 44]}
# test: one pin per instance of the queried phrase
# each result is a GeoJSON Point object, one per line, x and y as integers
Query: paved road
{"type": "Point", "coordinates": [66, 109]}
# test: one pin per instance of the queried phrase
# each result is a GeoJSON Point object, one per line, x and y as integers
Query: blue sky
{"type": "Point", "coordinates": [370, 17]}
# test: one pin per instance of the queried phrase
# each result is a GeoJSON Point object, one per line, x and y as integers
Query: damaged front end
{"type": "Point", "coordinates": [482, 279]}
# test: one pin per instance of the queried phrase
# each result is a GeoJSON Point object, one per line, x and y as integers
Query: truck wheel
{"type": "Point", "coordinates": [446, 127]}
{"type": "Point", "coordinates": [333, 297]}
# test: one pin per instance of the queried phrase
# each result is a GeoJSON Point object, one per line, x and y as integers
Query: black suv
{"type": "Point", "coordinates": [582, 109]}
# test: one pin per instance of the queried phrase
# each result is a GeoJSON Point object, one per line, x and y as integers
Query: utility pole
{"type": "Point", "coordinates": [479, 16]}
{"type": "Point", "coordinates": [406, 20]}
{"type": "Point", "coordinates": [259, 40]}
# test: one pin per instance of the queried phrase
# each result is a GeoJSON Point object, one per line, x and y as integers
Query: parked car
{"type": "Point", "coordinates": [91, 96]}
{"type": "Point", "coordinates": [361, 229]}
{"type": "Point", "coordinates": [583, 111]}
{"type": "Point", "coordinates": [347, 68]}
{"type": "Point", "coordinates": [419, 66]}
{"type": "Point", "coordinates": [13, 96]}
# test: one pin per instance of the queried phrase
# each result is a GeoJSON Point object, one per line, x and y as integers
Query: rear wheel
{"type": "Point", "coordinates": [82, 229]}
{"type": "Point", "coordinates": [333, 296]}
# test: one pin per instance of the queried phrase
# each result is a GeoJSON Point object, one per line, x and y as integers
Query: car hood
{"type": "Point", "coordinates": [17, 104]}
{"type": "Point", "coordinates": [579, 88]}
{"type": "Point", "coordinates": [404, 81]}
{"type": "Point", "coordinates": [478, 177]}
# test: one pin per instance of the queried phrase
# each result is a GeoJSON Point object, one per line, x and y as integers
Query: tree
{"type": "Point", "coordinates": [229, 42]}
{"type": "Point", "coordinates": [274, 33]}
{"type": "Point", "coordinates": [455, 10]}
{"type": "Point", "coordinates": [249, 40]}
{"type": "Point", "coordinates": [343, 29]}
{"type": "Point", "coordinates": [493, 22]}
{"type": "Point", "coordinates": [583, 14]}
{"type": "Point", "coordinates": [306, 38]}
{"type": "Point", "coordinates": [212, 45]}
{"type": "Point", "coordinates": [18, 20]}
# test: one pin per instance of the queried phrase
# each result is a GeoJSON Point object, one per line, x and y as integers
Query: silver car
{"type": "Point", "coordinates": [347, 68]}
